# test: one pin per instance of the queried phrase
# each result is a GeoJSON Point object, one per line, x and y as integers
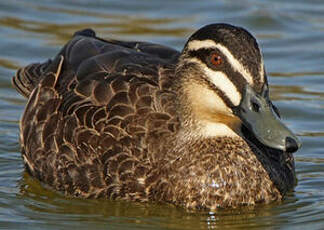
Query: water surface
{"type": "Point", "coordinates": [291, 35]}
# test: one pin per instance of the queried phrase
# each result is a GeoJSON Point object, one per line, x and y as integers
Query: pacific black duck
{"type": "Point", "coordinates": [143, 122]}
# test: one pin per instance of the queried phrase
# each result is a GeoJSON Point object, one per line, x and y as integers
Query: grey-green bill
{"type": "Point", "coordinates": [257, 114]}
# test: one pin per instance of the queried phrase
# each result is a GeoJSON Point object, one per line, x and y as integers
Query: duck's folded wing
{"type": "Point", "coordinates": [87, 57]}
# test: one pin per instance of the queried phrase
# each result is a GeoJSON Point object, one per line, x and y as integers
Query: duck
{"type": "Point", "coordinates": [143, 122]}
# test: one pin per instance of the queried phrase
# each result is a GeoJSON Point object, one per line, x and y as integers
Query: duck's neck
{"type": "Point", "coordinates": [202, 113]}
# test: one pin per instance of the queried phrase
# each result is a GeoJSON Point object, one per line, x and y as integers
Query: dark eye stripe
{"type": "Point", "coordinates": [235, 77]}
{"type": "Point", "coordinates": [201, 54]}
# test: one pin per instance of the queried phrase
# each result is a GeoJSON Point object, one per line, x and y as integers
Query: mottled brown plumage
{"type": "Point", "coordinates": [110, 119]}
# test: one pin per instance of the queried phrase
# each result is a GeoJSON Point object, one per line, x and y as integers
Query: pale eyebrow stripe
{"type": "Point", "coordinates": [261, 70]}
{"type": "Point", "coordinates": [237, 66]}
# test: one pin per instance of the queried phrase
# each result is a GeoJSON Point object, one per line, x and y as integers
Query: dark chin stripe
{"type": "Point", "coordinates": [220, 93]}
{"type": "Point", "coordinates": [235, 77]}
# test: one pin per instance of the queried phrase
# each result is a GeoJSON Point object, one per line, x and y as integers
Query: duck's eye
{"type": "Point", "coordinates": [215, 59]}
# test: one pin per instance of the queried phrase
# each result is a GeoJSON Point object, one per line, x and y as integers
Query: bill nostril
{"type": "Point", "coordinates": [291, 145]}
{"type": "Point", "coordinates": [255, 106]}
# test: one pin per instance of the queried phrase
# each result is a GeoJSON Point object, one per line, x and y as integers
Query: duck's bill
{"type": "Point", "coordinates": [258, 115]}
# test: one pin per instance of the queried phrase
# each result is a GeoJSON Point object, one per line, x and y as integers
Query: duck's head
{"type": "Point", "coordinates": [224, 88]}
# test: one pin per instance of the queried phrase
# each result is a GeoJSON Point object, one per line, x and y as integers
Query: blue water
{"type": "Point", "coordinates": [291, 35]}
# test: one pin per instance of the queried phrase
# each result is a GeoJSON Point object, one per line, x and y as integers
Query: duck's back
{"type": "Point", "coordinates": [96, 115]}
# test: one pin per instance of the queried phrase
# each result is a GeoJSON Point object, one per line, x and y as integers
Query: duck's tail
{"type": "Point", "coordinates": [27, 78]}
